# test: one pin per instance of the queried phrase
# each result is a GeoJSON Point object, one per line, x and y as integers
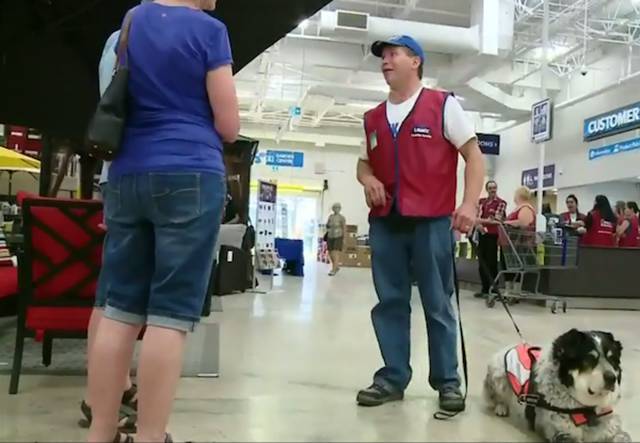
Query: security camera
{"type": "Point", "coordinates": [583, 70]}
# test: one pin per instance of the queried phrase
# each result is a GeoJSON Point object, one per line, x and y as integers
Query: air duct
{"type": "Point", "coordinates": [346, 25]}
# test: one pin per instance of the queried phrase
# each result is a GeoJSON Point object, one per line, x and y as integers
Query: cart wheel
{"type": "Point", "coordinates": [554, 307]}
{"type": "Point", "coordinates": [564, 307]}
{"type": "Point", "coordinates": [490, 301]}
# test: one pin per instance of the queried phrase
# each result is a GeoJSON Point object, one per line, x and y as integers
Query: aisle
{"type": "Point", "coordinates": [292, 361]}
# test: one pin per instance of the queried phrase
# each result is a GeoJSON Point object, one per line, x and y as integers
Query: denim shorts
{"type": "Point", "coordinates": [101, 296]}
{"type": "Point", "coordinates": [158, 254]}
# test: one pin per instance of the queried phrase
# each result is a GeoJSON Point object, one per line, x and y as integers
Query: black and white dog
{"type": "Point", "coordinates": [566, 393]}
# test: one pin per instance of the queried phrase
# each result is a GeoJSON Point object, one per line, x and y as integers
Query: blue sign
{"type": "Point", "coordinates": [530, 177]}
{"type": "Point", "coordinates": [616, 148]}
{"type": "Point", "coordinates": [489, 143]}
{"type": "Point", "coordinates": [285, 158]}
{"type": "Point", "coordinates": [613, 122]}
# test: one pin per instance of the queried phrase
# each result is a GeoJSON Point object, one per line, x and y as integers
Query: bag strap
{"type": "Point", "coordinates": [123, 42]}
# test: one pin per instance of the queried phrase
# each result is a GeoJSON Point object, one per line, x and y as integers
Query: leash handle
{"type": "Point", "coordinates": [444, 415]}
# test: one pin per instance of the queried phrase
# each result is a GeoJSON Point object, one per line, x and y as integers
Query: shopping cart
{"type": "Point", "coordinates": [527, 252]}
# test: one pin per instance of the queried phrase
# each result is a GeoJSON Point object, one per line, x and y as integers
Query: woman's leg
{"type": "Point", "coordinates": [161, 348]}
{"type": "Point", "coordinates": [109, 365]}
{"type": "Point", "coordinates": [94, 322]}
{"type": "Point", "coordinates": [186, 216]}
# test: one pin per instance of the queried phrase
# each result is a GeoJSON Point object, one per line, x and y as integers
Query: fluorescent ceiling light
{"type": "Point", "coordinates": [552, 52]}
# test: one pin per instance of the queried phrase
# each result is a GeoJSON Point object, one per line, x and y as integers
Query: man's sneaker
{"type": "Point", "coordinates": [451, 399]}
{"type": "Point", "coordinates": [376, 395]}
{"type": "Point", "coordinates": [480, 295]}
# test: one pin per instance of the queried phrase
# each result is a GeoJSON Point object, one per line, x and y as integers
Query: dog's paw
{"type": "Point", "coordinates": [501, 410]}
{"type": "Point", "coordinates": [622, 437]}
{"type": "Point", "coordinates": [562, 437]}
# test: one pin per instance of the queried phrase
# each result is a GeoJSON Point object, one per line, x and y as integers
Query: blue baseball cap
{"type": "Point", "coordinates": [399, 40]}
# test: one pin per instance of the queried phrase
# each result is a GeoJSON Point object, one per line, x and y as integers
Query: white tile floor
{"type": "Point", "coordinates": [292, 361]}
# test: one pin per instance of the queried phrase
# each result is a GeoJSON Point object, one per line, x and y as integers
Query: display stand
{"type": "Point", "coordinates": [266, 257]}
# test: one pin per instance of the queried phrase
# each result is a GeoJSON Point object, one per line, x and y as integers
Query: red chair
{"type": "Point", "coordinates": [58, 272]}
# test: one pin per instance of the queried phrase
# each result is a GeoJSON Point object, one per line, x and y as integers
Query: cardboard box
{"type": "Point", "coordinates": [349, 259]}
{"type": "Point", "coordinates": [352, 229]}
{"type": "Point", "coordinates": [364, 256]}
{"type": "Point", "coordinates": [359, 257]}
{"type": "Point", "coordinates": [349, 243]}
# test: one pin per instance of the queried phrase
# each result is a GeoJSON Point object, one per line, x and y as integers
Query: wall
{"type": "Point", "coordinates": [340, 164]}
{"type": "Point", "coordinates": [625, 191]}
{"type": "Point", "coordinates": [567, 150]}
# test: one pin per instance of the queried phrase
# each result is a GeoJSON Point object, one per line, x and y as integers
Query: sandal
{"type": "Point", "coordinates": [127, 415]}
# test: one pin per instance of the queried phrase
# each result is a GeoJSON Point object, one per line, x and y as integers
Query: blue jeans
{"type": "Point", "coordinates": [401, 251]}
{"type": "Point", "coordinates": [158, 254]}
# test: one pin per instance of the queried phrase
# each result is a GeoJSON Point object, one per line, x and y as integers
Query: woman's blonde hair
{"type": "Point", "coordinates": [523, 193]}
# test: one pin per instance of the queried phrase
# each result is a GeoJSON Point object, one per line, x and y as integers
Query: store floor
{"type": "Point", "coordinates": [293, 359]}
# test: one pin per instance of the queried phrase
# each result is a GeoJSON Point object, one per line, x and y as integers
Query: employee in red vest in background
{"type": "Point", "coordinates": [627, 232]}
{"type": "Point", "coordinates": [409, 174]}
{"type": "Point", "coordinates": [492, 213]}
{"type": "Point", "coordinates": [573, 217]}
{"type": "Point", "coordinates": [600, 225]}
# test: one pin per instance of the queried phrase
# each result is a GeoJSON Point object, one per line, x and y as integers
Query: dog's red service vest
{"type": "Point", "coordinates": [518, 363]}
{"type": "Point", "coordinates": [418, 167]}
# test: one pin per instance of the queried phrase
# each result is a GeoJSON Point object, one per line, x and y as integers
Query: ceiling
{"type": "Point", "coordinates": [489, 52]}
{"type": "Point", "coordinates": [49, 52]}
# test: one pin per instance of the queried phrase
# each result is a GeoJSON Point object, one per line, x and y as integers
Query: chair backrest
{"type": "Point", "coordinates": [62, 251]}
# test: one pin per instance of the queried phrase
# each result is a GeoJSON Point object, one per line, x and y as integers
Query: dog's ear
{"type": "Point", "coordinates": [565, 353]}
{"type": "Point", "coordinates": [565, 347]}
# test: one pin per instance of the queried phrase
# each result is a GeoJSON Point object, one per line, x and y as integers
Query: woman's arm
{"type": "Point", "coordinates": [524, 220]}
{"type": "Point", "coordinates": [224, 102]}
{"type": "Point", "coordinates": [622, 228]}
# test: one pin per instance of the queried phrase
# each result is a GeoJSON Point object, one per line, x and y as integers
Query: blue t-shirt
{"type": "Point", "coordinates": [170, 125]}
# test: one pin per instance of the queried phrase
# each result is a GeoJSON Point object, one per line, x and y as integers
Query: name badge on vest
{"type": "Point", "coordinates": [373, 140]}
{"type": "Point", "coordinates": [421, 131]}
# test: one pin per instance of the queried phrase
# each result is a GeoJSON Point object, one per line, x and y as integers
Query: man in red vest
{"type": "Point", "coordinates": [492, 212]}
{"type": "Point", "coordinates": [409, 174]}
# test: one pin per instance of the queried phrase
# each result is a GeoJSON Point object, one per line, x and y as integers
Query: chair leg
{"type": "Point", "coordinates": [17, 361]}
{"type": "Point", "coordinates": [47, 349]}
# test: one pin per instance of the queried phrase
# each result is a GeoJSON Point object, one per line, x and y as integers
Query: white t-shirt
{"type": "Point", "coordinates": [458, 128]}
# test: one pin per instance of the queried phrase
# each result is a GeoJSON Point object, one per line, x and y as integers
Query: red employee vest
{"type": "Point", "coordinates": [601, 232]}
{"type": "Point", "coordinates": [630, 238]}
{"type": "Point", "coordinates": [418, 167]}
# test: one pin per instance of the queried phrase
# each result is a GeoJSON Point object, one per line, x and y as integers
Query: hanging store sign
{"type": "Point", "coordinates": [541, 121]}
{"type": "Point", "coordinates": [613, 122]}
{"type": "Point", "coordinates": [489, 143]}
{"type": "Point", "coordinates": [616, 148]}
{"type": "Point", "coordinates": [530, 177]}
{"type": "Point", "coordinates": [291, 159]}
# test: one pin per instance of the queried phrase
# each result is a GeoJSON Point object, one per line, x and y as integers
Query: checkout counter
{"type": "Point", "coordinates": [606, 278]}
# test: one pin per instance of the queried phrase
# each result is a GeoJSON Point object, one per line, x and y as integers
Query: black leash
{"type": "Point", "coordinates": [445, 415]}
{"type": "Point", "coordinates": [484, 269]}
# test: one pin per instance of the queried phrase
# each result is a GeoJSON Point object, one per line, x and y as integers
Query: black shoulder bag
{"type": "Point", "coordinates": [105, 131]}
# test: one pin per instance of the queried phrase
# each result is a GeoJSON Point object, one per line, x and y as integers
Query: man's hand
{"type": "Point", "coordinates": [464, 219]}
{"type": "Point", "coordinates": [374, 192]}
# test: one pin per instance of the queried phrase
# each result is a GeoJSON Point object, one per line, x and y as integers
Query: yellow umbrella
{"type": "Point", "coordinates": [12, 162]}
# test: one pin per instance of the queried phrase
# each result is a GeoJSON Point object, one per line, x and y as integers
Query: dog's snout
{"type": "Point", "coordinates": [610, 379]}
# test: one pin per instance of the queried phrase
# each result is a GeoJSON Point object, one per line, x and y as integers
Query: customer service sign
{"type": "Point", "coordinates": [614, 122]}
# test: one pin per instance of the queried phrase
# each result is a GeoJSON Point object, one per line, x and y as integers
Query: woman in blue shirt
{"type": "Point", "coordinates": [163, 206]}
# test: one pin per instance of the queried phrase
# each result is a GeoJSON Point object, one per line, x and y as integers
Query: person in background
{"type": "Point", "coordinates": [600, 224]}
{"type": "Point", "coordinates": [524, 216]}
{"type": "Point", "coordinates": [127, 413]}
{"type": "Point", "coordinates": [627, 231]}
{"type": "Point", "coordinates": [164, 202]}
{"type": "Point", "coordinates": [231, 215]}
{"type": "Point", "coordinates": [336, 226]}
{"type": "Point", "coordinates": [573, 217]}
{"type": "Point", "coordinates": [408, 169]}
{"type": "Point", "coordinates": [619, 208]}
{"type": "Point", "coordinates": [492, 213]}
